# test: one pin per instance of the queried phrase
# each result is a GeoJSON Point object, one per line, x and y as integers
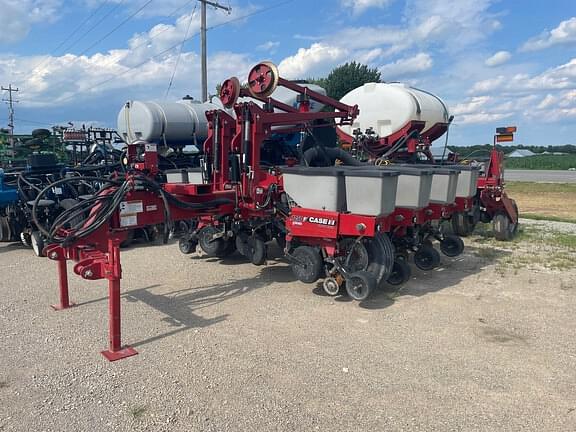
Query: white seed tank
{"type": "Point", "coordinates": [173, 123]}
{"type": "Point", "coordinates": [388, 107]}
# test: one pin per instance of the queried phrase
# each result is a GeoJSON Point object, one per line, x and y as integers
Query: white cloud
{"type": "Point", "coordinates": [406, 66]}
{"type": "Point", "coordinates": [368, 56]}
{"type": "Point", "coordinates": [563, 34]}
{"type": "Point", "coordinates": [270, 46]}
{"type": "Point", "coordinates": [360, 6]}
{"type": "Point", "coordinates": [473, 105]}
{"type": "Point", "coordinates": [499, 58]}
{"type": "Point", "coordinates": [441, 20]}
{"type": "Point", "coordinates": [69, 80]}
{"type": "Point", "coordinates": [557, 78]}
{"type": "Point", "coordinates": [481, 117]}
{"type": "Point", "coordinates": [314, 60]}
{"type": "Point", "coordinates": [18, 16]}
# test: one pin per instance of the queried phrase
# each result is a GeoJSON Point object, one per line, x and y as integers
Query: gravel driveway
{"type": "Point", "coordinates": [233, 347]}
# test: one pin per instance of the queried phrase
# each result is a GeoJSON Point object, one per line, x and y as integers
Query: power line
{"type": "Point", "coordinates": [115, 28]}
{"type": "Point", "coordinates": [11, 103]}
{"type": "Point", "coordinates": [180, 51]}
{"type": "Point", "coordinates": [173, 13]}
{"type": "Point", "coordinates": [87, 32]}
{"type": "Point", "coordinates": [61, 44]}
{"type": "Point", "coordinates": [259, 11]}
{"type": "Point", "coordinates": [203, 43]}
{"type": "Point", "coordinates": [33, 122]}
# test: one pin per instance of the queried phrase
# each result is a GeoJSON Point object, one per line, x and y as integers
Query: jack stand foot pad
{"type": "Point", "coordinates": [59, 307]}
{"type": "Point", "coordinates": [118, 355]}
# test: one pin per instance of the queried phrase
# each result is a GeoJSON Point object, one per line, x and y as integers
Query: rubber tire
{"type": "Point", "coordinates": [186, 246]}
{"type": "Point", "coordinates": [381, 253]}
{"type": "Point", "coordinates": [229, 248]}
{"type": "Point", "coordinates": [427, 258]}
{"type": "Point", "coordinates": [211, 248]}
{"type": "Point", "coordinates": [461, 224]}
{"type": "Point", "coordinates": [255, 250]}
{"type": "Point", "coordinates": [401, 273]}
{"type": "Point", "coordinates": [5, 231]}
{"type": "Point", "coordinates": [502, 227]}
{"type": "Point", "coordinates": [452, 246]}
{"type": "Point", "coordinates": [41, 133]}
{"type": "Point", "coordinates": [26, 239]}
{"type": "Point", "coordinates": [37, 243]}
{"type": "Point", "coordinates": [360, 285]}
{"type": "Point", "coordinates": [515, 226]}
{"type": "Point", "coordinates": [313, 266]}
{"type": "Point", "coordinates": [328, 286]}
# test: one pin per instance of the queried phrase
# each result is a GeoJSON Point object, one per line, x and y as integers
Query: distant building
{"type": "Point", "coordinates": [521, 153]}
{"type": "Point", "coordinates": [553, 153]}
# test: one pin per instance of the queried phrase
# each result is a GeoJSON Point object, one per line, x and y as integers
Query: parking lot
{"type": "Point", "coordinates": [481, 343]}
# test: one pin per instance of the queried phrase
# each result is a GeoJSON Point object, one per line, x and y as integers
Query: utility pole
{"type": "Point", "coordinates": [203, 32]}
{"type": "Point", "coordinates": [11, 103]}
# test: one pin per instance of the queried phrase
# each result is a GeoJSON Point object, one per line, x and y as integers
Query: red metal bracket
{"type": "Point", "coordinates": [57, 253]}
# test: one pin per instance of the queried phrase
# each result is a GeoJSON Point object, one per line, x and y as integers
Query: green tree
{"type": "Point", "coordinates": [346, 78]}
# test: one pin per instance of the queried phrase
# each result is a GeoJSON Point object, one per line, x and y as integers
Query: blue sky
{"type": "Point", "coordinates": [495, 62]}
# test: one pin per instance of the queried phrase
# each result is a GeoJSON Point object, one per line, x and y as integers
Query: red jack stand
{"type": "Point", "coordinates": [94, 264]}
{"type": "Point", "coordinates": [113, 272]}
{"type": "Point", "coordinates": [56, 253]}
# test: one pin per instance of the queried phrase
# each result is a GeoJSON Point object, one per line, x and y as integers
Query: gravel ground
{"type": "Point", "coordinates": [233, 347]}
{"type": "Point", "coordinates": [563, 227]}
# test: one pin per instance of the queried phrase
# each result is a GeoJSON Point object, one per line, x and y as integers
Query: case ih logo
{"type": "Point", "coordinates": [299, 220]}
{"type": "Point", "coordinates": [320, 221]}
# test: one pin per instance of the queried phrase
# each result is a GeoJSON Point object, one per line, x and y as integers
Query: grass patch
{"type": "Point", "coordinates": [137, 411]}
{"type": "Point", "coordinates": [545, 201]}
{"type": "Point", "coordinates": [547, 218]}
{"type": "Point", "coordinates": [564, 240]}
{"type": "Point", "coordinates": [551, 250]}
{"type": "Point", "coordinates": [534, 188]}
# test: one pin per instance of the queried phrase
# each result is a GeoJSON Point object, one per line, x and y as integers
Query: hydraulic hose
{"type": "Point", "coordinates": [330, 153]}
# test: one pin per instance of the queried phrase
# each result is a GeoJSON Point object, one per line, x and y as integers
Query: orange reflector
{"type": "Point", "coordinates": [506, 130]}
{"type": "Point", "coordinates": [505, 138]}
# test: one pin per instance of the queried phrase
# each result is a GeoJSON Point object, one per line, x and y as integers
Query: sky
{"type": "Point", "coordinates": [494, 62]}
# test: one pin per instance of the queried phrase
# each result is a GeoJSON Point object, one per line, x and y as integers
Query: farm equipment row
{"type": "Point", "coordinates": [355, 225]}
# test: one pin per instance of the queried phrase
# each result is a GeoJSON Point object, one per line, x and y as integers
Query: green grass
{"type": "Point", "coordinates": [567, 241]}
{"type": "Point", "coordinates": [533, 187]}
{"type": "Point", "coordinates": [542, 162]}
{"type": "Point", "coordinates": [547, 218]}
{"type": "Point", "coordinates": [561, 257]}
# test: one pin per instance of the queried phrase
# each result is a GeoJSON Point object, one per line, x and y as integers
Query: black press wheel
{"type": "Point", "coordinates": [426, 258]}
{"type": "Point", "coordinates": [503, 228]}
{"type": "Point", "coordinates": [37, 243]}
{"type": "Point", "coordinates": [462, 224]}
{"type": "Point", "coordinates": [331, 287]}
{"type": "Point", "coordinates": [186, 246]}
{"type": "Point", "coordinates": [255, 250]}
{"type": "Point", "coordinates": [360, 285]}
{"type": "Point", "coordinates": [400, 274]}
{"type": "Point", "coordinates": [213, 247]}
{"type": "Point", "coordinates": [307, 264]}
{"type": "Point", "coordinates": [451, 245]}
